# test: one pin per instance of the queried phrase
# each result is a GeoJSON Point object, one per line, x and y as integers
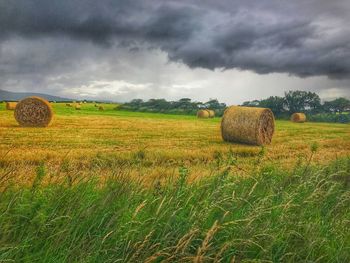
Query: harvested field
{"type": "Point", "coordinates": [152, 146]}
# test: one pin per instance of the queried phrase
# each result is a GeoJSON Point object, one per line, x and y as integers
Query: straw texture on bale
{"type": "Point", "coordinates": [11, 105]}
{"type": "Point", "coordinates": [33, 112]}
{"type": "Point", "coordinates": [298, 117]}
{"type": "Point", "coordinates": [203, 114]}
{"type": "Point", "coordinates": [248, 125]}
{"type": "Point", "coordinates": [211, 113]}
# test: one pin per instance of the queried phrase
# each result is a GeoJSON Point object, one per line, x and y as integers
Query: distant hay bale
{"type": "Point", "coordinates": [211, 113]}
{"type": "Point", "coordinates": [96, 105]}
{"type": "Point", "coordinates": [78, 107]}
{"type": "Point", "coordinates": [203, 114]}
{"type": "Point", "coordinates": [33, 112]}
{"type": "Point", "coordinates": [11, 105]}
{"type": "Point", "coordinates": [248, 125]}
{"type": "Point", "coordinates": [101, 108]}
{"type": "Point", "coordinates": [298, 117]}
{"type": "Point", "coordinates": [68, 105]}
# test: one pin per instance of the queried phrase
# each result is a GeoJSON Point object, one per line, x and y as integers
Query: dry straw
{"type": "Point", "coordinates": [11, 105]}
{"type": "Point", "coordinates": [203, 114]}
{"type": "Point", "coordinates": [33, 112]}
{"type": "Point", "coordinates": [298, 117]}
{"type": "Point", "coordinates": [248, 125]}
{"type": "Point", "coordinates": [211, 113]}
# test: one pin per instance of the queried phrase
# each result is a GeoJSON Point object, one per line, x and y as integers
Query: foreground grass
{"type": "Point", "coordinates": [301, 215]}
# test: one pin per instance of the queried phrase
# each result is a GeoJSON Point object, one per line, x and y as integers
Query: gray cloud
{"type": "Point", "coordinates": [303, 38]}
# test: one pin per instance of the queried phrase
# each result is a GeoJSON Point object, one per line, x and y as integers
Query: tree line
{"type": "Point", "coordinates": [336, 110]}
{"type": "Point", "coordinates": [182, 106]}
{"type": "Point", "coordinates": [301, 101]}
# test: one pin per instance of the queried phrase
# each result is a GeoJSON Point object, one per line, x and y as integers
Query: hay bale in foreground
{"type": "Point", "coordinates": [211, 113]}
{"type": "Point", "coordinates": [78, 107]}
{"type": "Point", "coordinates": [298, 117]}
{"type": "Point", "coordinates": [33, 112]}
{"type": "Point", "coordinates": [203, 114]}
{"type": "Point", "coordinates": [11, 105]}
{"type": "Point", "coordinates": [248, 125]}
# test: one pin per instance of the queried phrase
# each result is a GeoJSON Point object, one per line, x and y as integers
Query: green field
{"type": "Point", "coordinates": [118, 186]}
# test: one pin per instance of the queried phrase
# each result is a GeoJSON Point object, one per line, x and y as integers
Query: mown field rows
{"type": "Point", "coordinates": [151, 146]}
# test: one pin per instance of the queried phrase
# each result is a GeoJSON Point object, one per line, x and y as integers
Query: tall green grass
{"type": "Point", "coordinates": [272, 215]}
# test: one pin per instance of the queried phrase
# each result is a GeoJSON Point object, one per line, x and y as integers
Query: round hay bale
{"type": "Point", "coordinates": [211, 113]}
{"type": "Point", "coordinates": [68, 105]}
{"type": "Point", "coordinates": [298, 117]}
{"type": "Point", "coordinates": [78, 107]}
{"type": "Point", "coordinates": [248, 125]}
{"type": "Point", "coordinates": [203, 114]}
{"type": "Point", "coordinates": [11, 105]}
{"type": "Point", "coordinates": [101, 108]}
{"type": "Point", "coordinates": [33, 112]}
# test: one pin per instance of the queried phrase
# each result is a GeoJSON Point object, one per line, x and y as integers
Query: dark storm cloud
{"type": "Point", "coordinates": [303, 38]}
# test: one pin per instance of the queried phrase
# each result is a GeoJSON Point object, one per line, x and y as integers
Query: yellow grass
{"type": "Point", "coordinates": [150, 146]}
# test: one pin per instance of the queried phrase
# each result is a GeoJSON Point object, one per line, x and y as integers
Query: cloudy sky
{"type": "Point", "coordinates": [232, 50]}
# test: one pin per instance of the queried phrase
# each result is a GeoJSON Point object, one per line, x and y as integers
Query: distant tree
{"type": "Point", "coordinates": [337, 105]}
{"type": "Point", "coordinates": [313, 102]}
{"type": "Point", "coordinates": [275, 103]}
{"type": "Point", "coordinates": [185, 100]}
{"type": "Point", "coordinates": [214, 104]}
{"type": "Point", "coordinates": [253, 103]}
{"type": "Point", "coordinates": [157, 104]}
{"type": "Point", "coordinates": [299, 101]}
{"type": "Point", "coordinates": [136, 102]}
{"type": "Point", "coordinates": [185, 104]}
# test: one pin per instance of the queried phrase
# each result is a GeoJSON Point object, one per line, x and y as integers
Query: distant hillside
{"type": "Point", "coordinates": [15, 96]}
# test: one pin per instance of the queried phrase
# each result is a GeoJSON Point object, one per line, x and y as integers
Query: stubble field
{"type": "Point", "coordinates": [151, 147]}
